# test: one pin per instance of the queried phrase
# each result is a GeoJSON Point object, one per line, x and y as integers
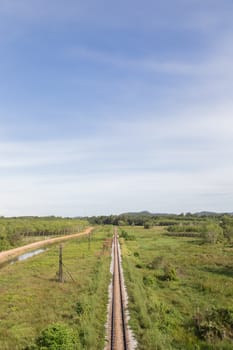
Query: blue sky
{"type": "Point", "coordinates": [109, 106]}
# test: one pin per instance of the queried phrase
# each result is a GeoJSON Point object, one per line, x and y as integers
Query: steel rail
{"type": "Point", "coordinates": [118, 319]}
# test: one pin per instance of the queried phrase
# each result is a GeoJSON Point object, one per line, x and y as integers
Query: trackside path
{"type": "Point", "coordinates": [12, 253]}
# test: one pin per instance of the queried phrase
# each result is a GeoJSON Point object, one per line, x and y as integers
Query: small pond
{"type": "Point", "coordinates": [28, 255]}
{"type": "Point", "coordinates": [23, 257]}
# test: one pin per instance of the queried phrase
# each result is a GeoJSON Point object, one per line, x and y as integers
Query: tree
{"type": "Point", "coordinates": [4, 244]}
{"type": "Point", "coordinates": [148, 224]}
{"type": "Point", "coordinates": [211, 233]}
{"type": "Point", "coordinates": [227, 225]}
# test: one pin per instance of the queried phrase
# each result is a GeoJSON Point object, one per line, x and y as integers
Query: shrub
{"type": "Point", "coordinates": [185, 228]}
{"type": "Point", "coordinates": [148, 280]}
{"type": "Point", "coordinates": [227, 225]}
{"type": "Point", "coordinates": [156, 263]}
{"type": "Point", "coordinates": [4, 244]}
{"type": "Point", "coordinates": [148, 225]}
{"type": "Point", "coordinates": [122, 223]}
{"type": "Point", "coordinates": [211, 233]}
{"type": "Point", "coordinates": [169, 273]}
{"type": "Point", "coordinates": [57, 337]}
{"type": "Point", "coordinates": [126, 236]}
{"type": "Point", "coordinates": [209, 330]}
{"type": "Point", "coordinates": [138, 266]}
{"type": "Point", "coordinates": [214, 324]}
{"type": "Point", "coordinates": [79, 308]}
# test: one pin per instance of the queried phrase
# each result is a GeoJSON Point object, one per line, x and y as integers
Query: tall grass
{"type": "Point", "coordinates": [163, 310]}
{"type": "Point", "coordinates": [32, 299]}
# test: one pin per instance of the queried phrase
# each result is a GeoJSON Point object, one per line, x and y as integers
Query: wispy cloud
{"type": "Point", "coordinates": [146, 64]}
{"type": "Point", "coordinates": [214, 62]}
{"type": "Point", "coordinates": [128, 107]}
{"type": "Point", "coordinates": [157, 159]}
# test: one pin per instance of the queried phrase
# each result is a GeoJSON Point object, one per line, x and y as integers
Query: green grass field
{"type": "Point", "coordinates": [32, 299]}
{"type": "Point", "coordinates": [180, 292]}
{"type": "Point", "coordinates": [174, 286]}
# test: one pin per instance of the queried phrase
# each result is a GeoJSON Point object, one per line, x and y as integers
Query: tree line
{"type": "Point", "coordinates": [211, 228]}
{"type": "Point", "coordinates": [140, 219]}
{"type": "Point", "coordinates": [13, 230]}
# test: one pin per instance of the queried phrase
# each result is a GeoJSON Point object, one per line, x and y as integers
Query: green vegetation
{"type": "Point", "coordinates": [126, 236]}
{"type": "Point", "coordinates": [23, 230]}
{"type": "Point", "coordinates": [178, 270]}
{"type": "Point", "coordinates": [227, 225]}
{"type": "Point", "coordinates": [214, 323]}
{"type": "Point", "coordinates": [180, 288]}
{"type": "Point", "coordinates": [37, 312]}
{"type": "Point", "coordinates": [212, 233]}
{"type": "Point", "coordinates": [149, 220]}
{"type": "Point", "coordinates": [56, 337]}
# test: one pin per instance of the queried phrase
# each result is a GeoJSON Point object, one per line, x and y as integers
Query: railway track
{"type": "Point", "coordinates": [118, 334]}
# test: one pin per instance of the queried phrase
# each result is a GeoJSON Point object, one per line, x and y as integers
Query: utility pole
{"type": "Point", "coordinates": [60, 273]}
{"type": "Point", "coordinates": [89, 240]}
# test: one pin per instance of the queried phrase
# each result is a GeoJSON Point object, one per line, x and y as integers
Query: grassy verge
{"type": "Point", "coordinates": [180, 290]}
{"type": "Point", "coordinates": [31, 298]}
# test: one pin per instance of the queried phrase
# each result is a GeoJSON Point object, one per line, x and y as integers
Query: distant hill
{"type": "Point", "coordinates": [210, 213]}
{"type": "Point", "coordinates": [146, 213]}
{"type": "Point", "coordinates": [201, 213]}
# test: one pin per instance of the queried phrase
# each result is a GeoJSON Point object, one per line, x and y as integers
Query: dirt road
{"type": "Point", "coordinates": [12, 253]}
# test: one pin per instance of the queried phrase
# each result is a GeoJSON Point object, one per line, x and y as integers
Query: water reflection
{"type": "Point", "coordinates": [28, 255]}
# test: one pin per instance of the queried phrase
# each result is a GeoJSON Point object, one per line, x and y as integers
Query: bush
{"type": "Point", "coordinates": [211, 233]}
{"type": "Point", "coordinates": [126, 236]}
{"type": "Point", "coordinates": [122, 223]}
{"type": "Point", "coordinates": [138, 266]}
{"type": "Point", "coordinates": [79, 308]}
{"type": "Point", "coordinates": [57, 337]}
{"type": "Point", "coordinates": [185, 228]}
{"type": "Point", "coordinates": [214, 324]}
{"type": "Point", "coordinates": [148, 280]}
{"type": "Point", "coordinates": [209, 330]}
{"type": "Point", "coordinates": [156, 263]}
{"type": "Point", "coordinates": [227, 225]}
{"type": "Point", "coordinates": [148, 225]}
{"type": "Point", "coordinates": [169, 273]}
{"type": "Point", "coordinates": [4, 243]}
